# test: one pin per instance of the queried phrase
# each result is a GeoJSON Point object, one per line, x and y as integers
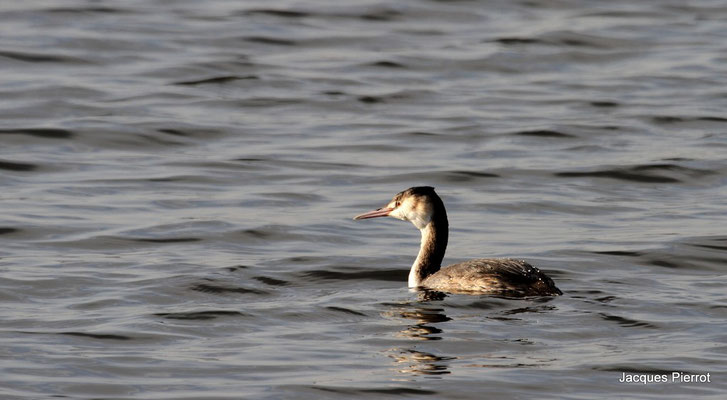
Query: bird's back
{"type": "Point", "coordinates": [502, 276]}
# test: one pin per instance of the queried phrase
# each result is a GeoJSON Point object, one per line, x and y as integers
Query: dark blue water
{"type": "Point", "coordinates": [178, 181]}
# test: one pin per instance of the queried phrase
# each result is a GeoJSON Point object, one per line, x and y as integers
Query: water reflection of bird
{"type": "Point", "coordinates": [423, 207]}
{"type": "Point", "coordinates": [420, 363]}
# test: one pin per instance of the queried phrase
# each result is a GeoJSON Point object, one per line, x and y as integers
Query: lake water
{"type": "Point", "coordinates": [178, 181]}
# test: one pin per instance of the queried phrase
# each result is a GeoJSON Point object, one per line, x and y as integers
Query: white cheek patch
{"type": "Point", "coordinates": [417, 213]}
{"type": "Point", "coordinates": [398, 214]}
{"type": "Point", "coordinates": [420, 221]}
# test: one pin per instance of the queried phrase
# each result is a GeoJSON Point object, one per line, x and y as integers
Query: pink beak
{"type": "Point", "coordinates": [381, 212]}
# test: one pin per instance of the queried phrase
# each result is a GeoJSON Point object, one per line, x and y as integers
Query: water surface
{"type": "Point", "coordinates": [179, 179]}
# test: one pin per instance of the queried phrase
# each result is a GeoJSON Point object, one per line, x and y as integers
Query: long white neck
{"type": "Point", "coordinates": [431, 250]}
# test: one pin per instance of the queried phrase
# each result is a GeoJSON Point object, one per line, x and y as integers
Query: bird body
{"type": "Point", "coordinates": [504, 276]}
{"type": "Point", "coordinates": [425, 209]}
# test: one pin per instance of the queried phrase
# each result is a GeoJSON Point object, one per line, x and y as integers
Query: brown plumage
{"type": "Point", "coordinates": [423, 207]}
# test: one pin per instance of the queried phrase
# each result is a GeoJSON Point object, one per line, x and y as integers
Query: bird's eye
{"type": "Point", "coordinates": [398, 203]}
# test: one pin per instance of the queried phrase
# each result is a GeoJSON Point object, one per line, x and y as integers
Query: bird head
{"type": "Point", "coordinates": [415, 204]}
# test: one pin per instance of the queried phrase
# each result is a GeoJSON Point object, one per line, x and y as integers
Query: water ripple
{"type": "Point", "coordinates": [178, 180]}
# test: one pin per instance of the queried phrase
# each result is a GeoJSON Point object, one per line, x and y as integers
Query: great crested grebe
{"type": "Point", "coordinates": [504, 276]}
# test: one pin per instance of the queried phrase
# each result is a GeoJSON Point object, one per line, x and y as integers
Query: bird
{"type": "Point", "coordinates": [423, 207]}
